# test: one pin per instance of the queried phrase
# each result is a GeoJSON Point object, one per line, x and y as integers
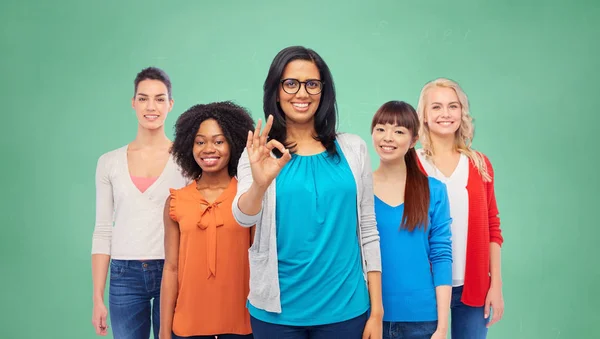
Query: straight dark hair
{"type": "Point", "coordinates": [416, 191]}
{"type": "Point", "coordinates": [326, 115]}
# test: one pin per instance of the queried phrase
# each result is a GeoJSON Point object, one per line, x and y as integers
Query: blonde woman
{"type": "Point", "coordinates": [446, 134]}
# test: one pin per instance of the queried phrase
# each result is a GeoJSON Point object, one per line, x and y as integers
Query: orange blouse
{"type": "Point", "coordinates": [213, 270]}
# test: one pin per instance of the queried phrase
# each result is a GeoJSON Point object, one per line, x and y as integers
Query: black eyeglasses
{"type": "Point", "coordinates": [292, 86]}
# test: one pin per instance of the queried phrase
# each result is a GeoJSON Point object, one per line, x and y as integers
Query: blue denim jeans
{"type": "Point", "coordinates": [409, 330]}
{"type": "Point", "coordinates": [219, 336]}
{"type": "Point", "coordinates": [349, 329]}
{"type": "Point", "coordinates": [134, 298]}
{"type": "Point", "coordinates": [467, 322]}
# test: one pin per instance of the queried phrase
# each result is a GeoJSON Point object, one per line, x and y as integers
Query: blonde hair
{"type": "Point", "coordinates": [463, 136]}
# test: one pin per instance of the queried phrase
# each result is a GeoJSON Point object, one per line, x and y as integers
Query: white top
{"type": "Point", "coordinates": [458, 196]}
{"type": "Point", "coordinates": [129, 223]}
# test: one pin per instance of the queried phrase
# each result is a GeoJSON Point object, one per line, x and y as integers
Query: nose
{"type": "Point", "coordinates": [302, 93]}
{"type": "Point", "coordinates": [150, 106]}
{"type": "Point", "coordinates": [387, 136]}
{"type": "Point", "coordinates": [209, 147]}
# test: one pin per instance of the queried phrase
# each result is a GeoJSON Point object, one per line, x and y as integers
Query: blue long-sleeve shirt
{"type": "Point", "coordinates": [414, 263]}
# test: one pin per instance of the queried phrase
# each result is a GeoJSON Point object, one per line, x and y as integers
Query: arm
{"type": "Point", "coordinates": [494, 298]}
{"type": "Point", "coordinates": [247, 204]}
{"type": "Point", "coordinates": [169, 286]}
{"type": "Point", "coordinates": [370, 243]}
{"type": "Point", "coordinates": [101, 244]}
{"type": "Point", "coordinates": [440, 255]}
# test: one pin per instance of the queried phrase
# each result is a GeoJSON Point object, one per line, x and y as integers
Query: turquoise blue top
{"type": "Point", "coordinates": [414, 263]}
{"type": "Point", "coordinates": [320, 272]}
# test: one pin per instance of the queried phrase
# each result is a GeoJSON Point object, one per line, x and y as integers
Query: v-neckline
{"type": "Point", "coordinates": [154, 184]}
{"type": "Point", "coordinates": [388, 205]}
{"type": "Point", "coordinates": [441, 174]}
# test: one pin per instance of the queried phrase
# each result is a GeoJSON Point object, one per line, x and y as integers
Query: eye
{"type": "Point", "coordinates": [435, 107]}
{"type": "Point", "coordinates": [141, 99]}
{"type": "Point", "coordinates": [161, 99]}
{"type": "Point", "coordinates": [399, 132]}
{"type": "Point", "coordinates": [290, 83]}
{"type": "Point", "coordinates": [312, 84]}
{"type": "Point", "coordinates": [199, 142]}
{"type": "Point", "coordinates": [454, 106]}
{"type": "Point", "coordinates": [220, 142]}
{"type": "Point", "coordinates": [378, 129]}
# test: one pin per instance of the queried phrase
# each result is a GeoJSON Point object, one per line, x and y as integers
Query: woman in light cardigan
{"type": "Point", "coordinates": [446, 135]}
{"type": "Point", "coordinates": [315, 262]}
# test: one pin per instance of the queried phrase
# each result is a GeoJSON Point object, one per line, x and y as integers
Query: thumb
{"type": "Point", "coordinates": [486, 309]}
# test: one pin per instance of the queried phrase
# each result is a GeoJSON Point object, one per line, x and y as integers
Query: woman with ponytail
{"type": "Point", "coordinates": [413, 219]}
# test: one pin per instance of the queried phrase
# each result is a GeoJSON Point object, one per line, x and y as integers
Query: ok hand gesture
{"type": "Point", "coordinates": [265, 167]}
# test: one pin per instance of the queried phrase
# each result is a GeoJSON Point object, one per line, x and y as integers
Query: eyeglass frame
{"type": "Point", "coordinates": [300, 85]}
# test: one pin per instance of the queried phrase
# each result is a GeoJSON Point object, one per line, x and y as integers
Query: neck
{"type": "Point", "coordinates": [214, 180]}
{"type": "Point", "coordinates": [301, 133]}
{"type": "Point", "coordinates": [392, 171]}
{"type": "Point", "coordinates": [150, 138]}
{"type": "Point", "coordinates": [443, 144]}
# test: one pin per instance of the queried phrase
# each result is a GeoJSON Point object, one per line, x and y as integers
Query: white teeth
{"type": "Point", "coordinates": [151, 116]}
{"type": "Point", "coordinates": [388, 148]}
{"type": "Point", "coordinates": [445, 123]}
{"type": "Point", "coordinates": [303, 105]}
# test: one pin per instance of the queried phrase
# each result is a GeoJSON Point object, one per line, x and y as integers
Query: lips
{"type": "Point", "coordinates": [210, 161]}
{"type": "Point", "coordinates": [445, 123]}
{"type": "Point", "coordinates": [151, 117]}
{"type": "Point", "coordinates": [387, 148]}
{"type": "Point", "coordinates": [300, 106]}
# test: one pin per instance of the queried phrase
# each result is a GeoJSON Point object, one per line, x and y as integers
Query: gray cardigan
{"type": "Point", "coordinates": [264, 275]}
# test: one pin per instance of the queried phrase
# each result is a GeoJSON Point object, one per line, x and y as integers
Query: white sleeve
{"type": "Point", "coordinates": [101, 239]}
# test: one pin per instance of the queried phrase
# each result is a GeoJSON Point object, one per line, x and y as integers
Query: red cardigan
{"type": "Point", "coordinates": [484, 228]}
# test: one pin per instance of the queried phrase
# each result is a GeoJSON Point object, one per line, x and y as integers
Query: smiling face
{"type": "Point", "coordinates": [391, 141]}
{"type": "Point", "coordinates": [299, 108]}
{"type": "Point", "coordinates": [211, 149]}
{"type": "Point", "coordinates": [151, 104]}
{"type": "Point", "coordinates": [443, 112]}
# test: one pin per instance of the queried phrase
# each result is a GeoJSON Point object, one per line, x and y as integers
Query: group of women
{"type": "Point", "coordinates": [284, 231]}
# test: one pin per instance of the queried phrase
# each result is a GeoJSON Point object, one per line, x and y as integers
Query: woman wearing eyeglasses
{"type": "Point", "coordinates": [315, 265]}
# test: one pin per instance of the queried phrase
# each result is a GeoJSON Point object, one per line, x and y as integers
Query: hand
{"type": "Point", "coordinates": [439, 334]}
{"type": "Point", "coordinates": [99, 318]}
{"type": "Point", "coordinates": [494, 300]}
{"type": "Point", "coordinates": [264, 167]}
{"type": "Point", "coordinates": [373, 328]}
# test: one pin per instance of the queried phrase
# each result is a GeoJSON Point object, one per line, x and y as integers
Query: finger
{"type": "Point", "coordinates": [249, 140]}
{"type": "Point", "coordinates": [256, 139]}
{"type": "Point", "coordinates": [366, 334]}
{"type": "Point", "coordinates": [285, 158]}
{"type": "Point", "coordinates": [495, 318]}
{"type": "Point", "coordinates": [486, 309]}
{"type": "Point", "coordinates": [265, 133]}
{"type": "Point", "coordinates": [275, 144]}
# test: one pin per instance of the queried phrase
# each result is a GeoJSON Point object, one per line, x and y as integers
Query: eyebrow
{"type": "Point", "coordinates": [158, 95]}
{"type": "Point", "coordinates": [439, 103]}
{"type": "Point", "coordinates": [204, 136]}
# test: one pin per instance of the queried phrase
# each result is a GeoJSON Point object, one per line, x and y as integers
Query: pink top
{"type": "Point", "coordinates": [142, 183]}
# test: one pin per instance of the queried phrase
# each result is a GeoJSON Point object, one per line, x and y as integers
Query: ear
{"type": "Point", "coordinates": [414, 142]}
{"type": "Point", "coordinates": [171, 102]}
{"type": "Point", "coordinates": [132, 102]}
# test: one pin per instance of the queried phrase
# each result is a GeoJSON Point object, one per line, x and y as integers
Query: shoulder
{"type": "Point", "coordinates": [436, 187]}
{"type": "Point", "coordinates": [349, 139]}
{"type": "Point", "coordinates": [109, 158]}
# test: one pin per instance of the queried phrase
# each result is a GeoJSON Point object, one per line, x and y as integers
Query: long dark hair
{"type": "Point", "coordinates": [326, 115]}
{"type": "Point", "coordinates": [416, 192]}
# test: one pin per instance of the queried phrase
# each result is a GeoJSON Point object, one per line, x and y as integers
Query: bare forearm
{"type": "Point", "coordinates": [250, 203]}
{"type": "Point", "coordinates": [374, 281]}
{"type": "Point", "coordinates": [495, 264]}
{"type": "Point", "coordinates": [443, 295]}
{"type": "Point", "coordinates": [100, 263]}
{"type": "Point", "coordinates": [168, 299]}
